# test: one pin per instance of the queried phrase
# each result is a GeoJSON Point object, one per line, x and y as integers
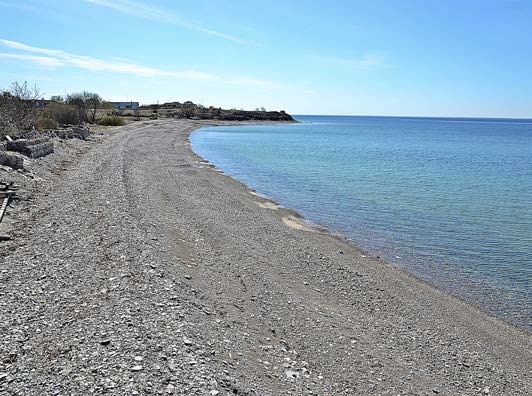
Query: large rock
{"type": "Point", "coordinates": [71, 132]}
{"type": "Point", "coordinates": [33, 148]}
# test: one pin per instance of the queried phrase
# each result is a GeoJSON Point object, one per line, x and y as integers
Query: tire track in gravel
{"type": "Point", "coordinates": [151, 273]}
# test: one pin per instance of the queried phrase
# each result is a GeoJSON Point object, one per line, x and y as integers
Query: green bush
{"type": "Point", "coordinates": [112, 120]}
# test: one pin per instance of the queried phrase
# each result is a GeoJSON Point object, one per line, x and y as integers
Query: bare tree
{"type": "Point", "coordinates": [87, 104]}
{"type": "Point", "coordinates": [18, 110]}
{"type": "Point", "coordinates": [94, 101]}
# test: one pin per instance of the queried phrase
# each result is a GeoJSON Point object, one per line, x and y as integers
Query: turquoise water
{"type": "Point", "coordinates": [446, 199]}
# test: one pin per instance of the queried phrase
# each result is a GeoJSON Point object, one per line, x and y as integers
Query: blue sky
{"type": "Point", "coordinates": [420, 58]}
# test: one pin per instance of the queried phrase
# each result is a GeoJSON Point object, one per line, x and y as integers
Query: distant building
{"type": "Point", "coordinates": [126, 105]}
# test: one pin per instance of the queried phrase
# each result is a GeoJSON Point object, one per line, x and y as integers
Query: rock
{"type": "Point", "coordinates": [214, 392]}
{"type": "Point", "coordinates": [170, 389]}
{"type": "Point", "coordinates": [105, 342]}
{"type": "Point", "coordinates": [13, 161]}
{"type": "Point", "coordinates": [70, 132]}
{"type": "Point", "coordinates": [291, 374]}
{"type": "Point", "coordinates": [187, 341]}
{"type": "Point", "coordinates": [138, 358]}
{"type": "Point", "coordinates": [136, 368]}
{"type": "Point", "coordinates": [3, 376]}
{"type": "Point", "coordinates": [33, 148]}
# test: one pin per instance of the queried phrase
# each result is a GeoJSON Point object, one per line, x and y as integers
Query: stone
{"type": "Point", "coordinates": [13, 161]}
{"type": "Point", "coordinates": [136, 368]}
{"type": "Point", "coordinates": [187, 341]}
{"type": "Point", "coordinates": [32, 148]}
{"type": "Point", "coordinates": [291, 374]}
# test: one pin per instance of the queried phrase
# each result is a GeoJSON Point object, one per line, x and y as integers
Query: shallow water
{"type": "Point", "coordinates": [446, 199]}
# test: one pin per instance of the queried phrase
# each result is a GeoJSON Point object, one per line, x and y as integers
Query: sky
{"type": "Point", "coordinates": [461, 58]}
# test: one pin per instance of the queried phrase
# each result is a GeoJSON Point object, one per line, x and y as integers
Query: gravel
{"type": "Point", "coordinates": [136, 268]}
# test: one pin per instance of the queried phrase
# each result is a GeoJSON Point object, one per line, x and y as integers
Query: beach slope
{"type": "Point", "coordinates": [144, 269]}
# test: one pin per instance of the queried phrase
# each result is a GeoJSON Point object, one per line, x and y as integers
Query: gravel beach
{"type": "Point", "coordinates": [135, 267]}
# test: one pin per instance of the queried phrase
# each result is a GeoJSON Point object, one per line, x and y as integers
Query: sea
{"type": "Point", "coordinates": [446, 199]}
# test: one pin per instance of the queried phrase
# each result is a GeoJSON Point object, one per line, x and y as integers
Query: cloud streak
{"type": "Point", "coordinates": [53, 58]}
{"type": "Point", "coordinates": [58, 58]}
{"type": "Point", "coordinates": [160, 15]}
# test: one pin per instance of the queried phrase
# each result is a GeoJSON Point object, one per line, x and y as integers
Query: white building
{"type": "Point", "coordinates": [126, 105]}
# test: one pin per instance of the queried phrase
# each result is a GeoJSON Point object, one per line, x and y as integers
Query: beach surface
{"type": "Point", "coordinates": [139, 268]}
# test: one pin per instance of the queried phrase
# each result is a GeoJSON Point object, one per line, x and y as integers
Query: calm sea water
{"type": "Point", "coordinates": [446, 199]}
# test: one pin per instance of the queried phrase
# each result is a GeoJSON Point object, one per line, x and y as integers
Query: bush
{"type": "Point", "coordinates": [62, 113]}
{"type": "Point", "coordinates": [46, 123]}
{"type": "Point", "coordinates": [112, 120]}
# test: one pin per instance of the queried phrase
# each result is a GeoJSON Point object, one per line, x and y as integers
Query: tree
{"type": "Point", "coordinates": [57, 98]}
{"type": "Point", "coordinates": [87, 104]}
{"type": "Point", "coordinates": [17, 107]}
{"type": "Point", "coordinates": [94, 101]}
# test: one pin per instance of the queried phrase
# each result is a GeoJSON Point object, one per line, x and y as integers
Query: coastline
{"type": "Point", "coordinates": [217, 288]}
{"type": "Point", "coordinates": [302, 223]}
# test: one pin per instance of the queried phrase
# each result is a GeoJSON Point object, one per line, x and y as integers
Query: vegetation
{"type": "Point", "coordinates": [17, 109]}
{"type": "Point", "coordinates": [191, 110]}
{"type": "Point", "coordinates": [87, 105]}
{"type": "Point", "coordinates": [23, 108]}
{"type": "Point", "coordinates": [112, 120]}
{"type": "Point", "coordinates": [62, 113]}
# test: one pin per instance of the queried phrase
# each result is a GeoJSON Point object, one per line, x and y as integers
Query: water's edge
{"type": "Point", "coordinates": [346, 239]}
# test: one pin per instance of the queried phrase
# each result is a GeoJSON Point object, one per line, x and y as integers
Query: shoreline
{"type": "Point", "coordinates": [310, 226]}
{"type": "Point", "coordinates": [172, 277]}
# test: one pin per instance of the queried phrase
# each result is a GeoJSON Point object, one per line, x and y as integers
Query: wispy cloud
{"type": "Point", "coordinates": [367, 61]}
{"type": "Point", "coordinates": [39, 60]}
{"type": "Point", "coordinates": [53, 58]}
{"type": "Point", "coordinates": [160, 15]}
{"type": "Point", "coordinates": [58, 58]}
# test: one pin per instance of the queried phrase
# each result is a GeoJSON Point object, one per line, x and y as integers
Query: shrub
{"type": "Point", "coordinates": [112, 120]}
{"type": "Point", "coordinates": [46, 123]}
{"type": "Point", "coordinates": [62, 113]}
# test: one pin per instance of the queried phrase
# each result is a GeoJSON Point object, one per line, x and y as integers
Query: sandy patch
{"type": "Point", "coordinates": [268, 205]}
{"type": "Point", "coordinates": [298, 224]}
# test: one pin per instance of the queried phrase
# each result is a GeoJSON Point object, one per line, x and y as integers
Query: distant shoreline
{"type": "Point", "coordinates": [528, 120]}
